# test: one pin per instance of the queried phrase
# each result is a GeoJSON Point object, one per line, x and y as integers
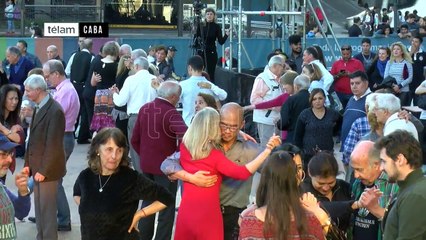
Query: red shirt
{"type": "Point", "coordinates": [158, 126]}
{"type": "Point", "coordinates": [342, 84]}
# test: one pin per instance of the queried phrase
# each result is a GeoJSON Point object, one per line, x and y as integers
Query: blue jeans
{"type": "Point", "coordinates": [10, 25]}
{"type": "Point", "coordinates": [64, 215]}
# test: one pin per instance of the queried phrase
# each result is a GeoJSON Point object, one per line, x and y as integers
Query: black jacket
{"type": "Point", "coordinates": [291, 110]}
{"type": "Point", "coordinates": [339, 208]}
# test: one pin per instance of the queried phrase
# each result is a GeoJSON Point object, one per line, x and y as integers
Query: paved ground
{"type": "Point", "coordinates": [77, 162]}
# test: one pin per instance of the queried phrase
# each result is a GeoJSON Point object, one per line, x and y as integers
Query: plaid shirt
{"type": "Point", "coordinates": [389, 191]}
{"type": "Point", "coordinates": [358, 129]}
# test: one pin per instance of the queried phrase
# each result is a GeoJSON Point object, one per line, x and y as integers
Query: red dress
{"type": "Point", "coordinates": [199, 216]}
{"type": "Point", "coordinates": [252, 228]}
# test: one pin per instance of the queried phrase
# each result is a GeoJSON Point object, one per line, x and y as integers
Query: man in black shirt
{"type": "Point", "coordinates": [419, 65]}
{"type": "Point", "coordinates": [355, 30]}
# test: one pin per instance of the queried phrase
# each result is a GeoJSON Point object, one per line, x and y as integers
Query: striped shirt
{"type": "Point", "coordinates": [396, 70]}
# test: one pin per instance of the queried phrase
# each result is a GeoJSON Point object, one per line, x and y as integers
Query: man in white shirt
{"type": "Point", "coordinates": [194, 85]}
{"type": "Point", "coordinates": [136, 91]}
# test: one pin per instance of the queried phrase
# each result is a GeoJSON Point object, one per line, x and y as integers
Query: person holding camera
{"type": "Point", "coordinates": [207, 35]}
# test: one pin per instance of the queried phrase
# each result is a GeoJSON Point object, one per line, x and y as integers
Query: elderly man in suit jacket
{"type": "Point", "coordinates": [45, 155]}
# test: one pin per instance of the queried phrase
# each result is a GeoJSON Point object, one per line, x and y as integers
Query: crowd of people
{"type": "Point", "coordinates": [385, 23]}
{"type": "Point", "coordinates": [123, 102]}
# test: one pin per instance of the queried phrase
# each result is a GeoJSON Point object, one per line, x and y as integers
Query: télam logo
{"type": "Point", "coordinates": [86, 29]}
{"type": "Point", "coordinates": [61, 29]}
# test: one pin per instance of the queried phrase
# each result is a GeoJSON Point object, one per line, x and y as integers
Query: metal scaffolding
{"type": "Point", "coordinates": [281, 11]}
{"type": "Point", "coordinates": [240, 24]}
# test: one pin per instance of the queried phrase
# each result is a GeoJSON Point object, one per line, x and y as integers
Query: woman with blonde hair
{"type": "Point", "coordinates": [400, 67]}
{"type": "Point", "coordinates": [314, 73]}
{"type": "Point", "coordinates": [199, 212]}
{"type": "Point", "coordinates": [119, 114]}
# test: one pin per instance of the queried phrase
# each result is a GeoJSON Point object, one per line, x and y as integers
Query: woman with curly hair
{"type": "Point", "coordinates": [400, 67]}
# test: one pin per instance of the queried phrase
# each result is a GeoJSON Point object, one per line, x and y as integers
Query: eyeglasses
{"type": "Point", "coordinates": [225, 127]}
{"type": "Point", "coordinates": [5, 155]}
{"type": "Point", "coordinates": [345, 48]}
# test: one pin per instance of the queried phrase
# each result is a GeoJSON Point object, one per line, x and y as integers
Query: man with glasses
{"type": "Point", "coordinates": [67, 97]}
{"type": "Point", "coordinates": [12, 205]}
{"type": "Point", "coordinates": [341, 70]}
{"type": "Point", "coordinates": [234, 194]}
{"type": "Point", "coordinates": [371, 190]}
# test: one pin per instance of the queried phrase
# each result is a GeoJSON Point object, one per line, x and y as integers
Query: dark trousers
{"type": "Point", "coordinates": [166, 217]}
{"type": "Point", "coordinates": [210, 61]}
{"type": "Point", "coordinates": [230, 215]}
{"type": "Point", "coordinates": [405, 98]}
{"type": "Point", "coordinates": [45, 210]}
{"type": "Point", "coordinates": [64, 215]}
{"type": "Point", "coordinates": [122, 125]}
{"type": "Point", "coordinates": [84, 132]}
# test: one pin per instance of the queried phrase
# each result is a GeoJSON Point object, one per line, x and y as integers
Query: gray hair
{"type": "Point", "coordinates": [168, 89]}
{"type": "Point", "coordinates": [302, 81]}
{"type": "Point", "coordinates": [14, 50]}
{"type": "Point", "coordinates": [389, 102]}
{"type": "Point", "coordinates": [36, 81]}
{"type": "Point", "coordinates": [52, 47]}
{"type": "Point", "coordinates": [87, 44]}
{"type": "Point", "coordinates": [138, 53]}
{"type": "Point", "coordinates": [277, 59]}
{"type": "Point", "coordinates": [125, 48]}
{"type": "Point", "coordinates": [55, 66]}
{"type": "Point", "coordinates": [141, 62]}
{"type": "Point", "coordinates": [370, 101]}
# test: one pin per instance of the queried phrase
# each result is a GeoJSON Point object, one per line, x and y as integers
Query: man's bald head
{"type": "Point", "coordinates": [234, 108]}
{"type": "Point", "coordinates": [365, 162]}
{"type": "Point", "coordinates": [231, 121]}
{"type": "Point", "coordinates": [362, 150]}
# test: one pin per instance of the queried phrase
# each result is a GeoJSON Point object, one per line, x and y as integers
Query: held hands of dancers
{"type": "Point", "coordinates": [273, 142]}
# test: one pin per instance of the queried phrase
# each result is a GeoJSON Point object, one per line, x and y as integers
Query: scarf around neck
{"type": "Point", "coordinates": [381, 65]}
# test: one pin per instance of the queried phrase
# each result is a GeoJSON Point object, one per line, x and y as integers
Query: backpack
{"type": "Point", "coordinates": [16, 13]}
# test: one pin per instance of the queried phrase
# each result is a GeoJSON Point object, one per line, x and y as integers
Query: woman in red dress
{"type": "Point", "coordinates": [199, 215]}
